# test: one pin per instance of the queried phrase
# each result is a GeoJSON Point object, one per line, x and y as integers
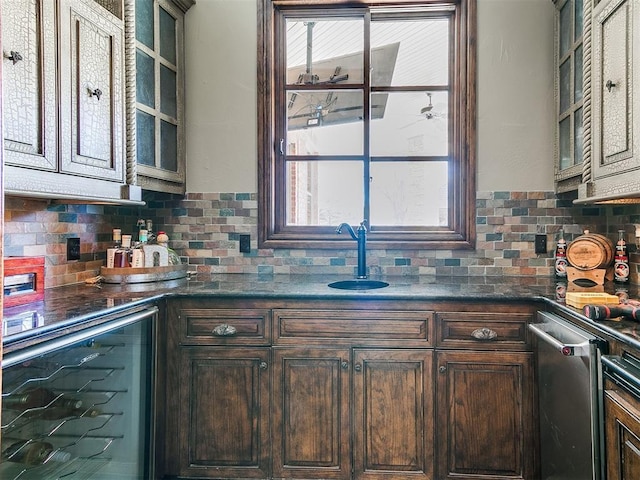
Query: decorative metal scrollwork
{"type": "Point", "coordinates": [225, 330]}
{"type": "Point", "coordinates": [484, 333]}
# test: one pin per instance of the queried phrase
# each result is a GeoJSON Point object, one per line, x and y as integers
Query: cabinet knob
{"type": "Point", "coordinates": [225, 330]}
{"type": "Point", "coordinates": [357, 367]}
{"type": "Point", "coordinates": [610, 85]}
{"type": "Point", "coordinates": [442, 369]}
{"type": "Point", "coordinates": [484, 333]}
{"type": "Point", "coordinates": [344, 365]}
{"type": "Point", "coordinates": [96, 92]}
{"type": "Point", "coordinates": [14, 56]}
{"type": "Point", "coordinates": [263, 365]}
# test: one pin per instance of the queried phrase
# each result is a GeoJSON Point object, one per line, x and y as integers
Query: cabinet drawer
{"type": "Point", "coordinates": [400, 328]}
{"type": "Point", "coordinates": [480, 331]}
{"type": "Point", "coordinates": [223, 326]}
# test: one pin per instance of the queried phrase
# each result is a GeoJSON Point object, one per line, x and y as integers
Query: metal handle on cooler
{"type": "Point", "coordinates": [566, 349]}
{"type": "Point", "coordinates": [58, 343]}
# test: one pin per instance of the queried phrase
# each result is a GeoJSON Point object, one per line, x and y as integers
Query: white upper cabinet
{"type": "Point", "coordinates": [29, 81]}
{"type": "Point", "coordinates": [615, 162]}
{"type": "Point", "coordinates": [92, 92]}
{"type": "Point", "coordinates": [63, 93]}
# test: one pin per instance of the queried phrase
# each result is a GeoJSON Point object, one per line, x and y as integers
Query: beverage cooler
{"type": "Point", "coordinates": [81, 406]}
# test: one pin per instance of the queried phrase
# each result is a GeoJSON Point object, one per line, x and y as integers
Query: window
{"type": "Point", "coordinates": [366, 113]}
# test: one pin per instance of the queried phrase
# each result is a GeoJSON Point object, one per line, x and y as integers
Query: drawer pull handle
{"type": "Point", "coordinates": [225, 330]}
{"type": "Point", "coordinates": [484, 333]}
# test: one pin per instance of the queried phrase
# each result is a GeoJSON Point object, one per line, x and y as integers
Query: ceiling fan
{"type": "Point", "coordinates": [426, 113]}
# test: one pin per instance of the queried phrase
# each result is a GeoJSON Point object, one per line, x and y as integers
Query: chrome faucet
{"type": "Point", "coordinates": [361, 238]}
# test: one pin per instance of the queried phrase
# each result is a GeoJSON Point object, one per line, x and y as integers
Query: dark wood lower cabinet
{"type": "Point", "coordinates": [224, 413]}
{"type": "Point", "coordinates": [275, 389]}
{"type": "Point", "coordinates": [622, 433]}
{"type": "Point", "coordinates": [485, 419]}
{"type": "Point", "coordinates": [393, 414]}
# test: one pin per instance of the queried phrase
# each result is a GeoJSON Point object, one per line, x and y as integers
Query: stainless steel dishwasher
{"type": "Point", "coordinates": [570, 400]}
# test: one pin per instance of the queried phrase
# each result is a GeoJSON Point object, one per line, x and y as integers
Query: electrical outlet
{"type": "Point", "coordinates": [541, 243]}
{"type": "Point", "coordinates": [245, 243]}
{"type": "Point", "coordinates": [73, 249]}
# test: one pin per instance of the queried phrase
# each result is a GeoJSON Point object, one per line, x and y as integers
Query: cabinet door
{"type": "Point", "coordinates": [622, 430]}
{"type": "Point", "coordinates": [393, 414]}
{"type": "Point", "coordinates": [29, 83]}
{"type": "Point", "coordinates": [616, 108]}
{"type": "Point", "coordinates": [311, 430]}
{"type": "Point", "coordinates": [223, 413]}
{"type": "Point", "coordinates": [91, 91]}
{"type": "Point", "coordinates": [485, 415]}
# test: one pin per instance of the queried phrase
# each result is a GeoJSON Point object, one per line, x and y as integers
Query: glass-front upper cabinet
{"type": "Point", "coordinates": [159, 100]}
{"type": "Point", "coordinates": [569, 44]}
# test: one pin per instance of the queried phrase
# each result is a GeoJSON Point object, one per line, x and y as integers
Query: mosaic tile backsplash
{"type": "Point", "coordinates": [204, 230]}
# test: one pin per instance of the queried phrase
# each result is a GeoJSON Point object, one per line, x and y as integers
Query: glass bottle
{"type": "Point", "coordinates": [561, 256]}
{"type": "Point", "coordinates": [621, 260]}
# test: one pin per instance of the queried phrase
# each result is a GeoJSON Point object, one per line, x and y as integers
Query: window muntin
{"type": "Point", "coordinates": [399, 135]}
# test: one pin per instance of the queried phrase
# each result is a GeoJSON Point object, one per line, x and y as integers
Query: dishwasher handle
{"type": "Point", "coordinates": [66, 340]}
{"type": "Point", "coordinates": [566, 349]}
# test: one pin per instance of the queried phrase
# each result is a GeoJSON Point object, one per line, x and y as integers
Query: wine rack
{"type": "Point", "coordinates": [63, 412]}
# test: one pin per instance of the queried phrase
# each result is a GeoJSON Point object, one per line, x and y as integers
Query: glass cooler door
{"type": "Point", "coordinates": [80, 407]}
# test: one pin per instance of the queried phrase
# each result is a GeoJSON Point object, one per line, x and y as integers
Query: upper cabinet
{"type": "Point", "coordinates": [63, 90]}
{"type": "Point", "coordinates": [615, 162]}
{"type": "Point", "coordinates": [569, 52]}
{"type": "Point", "coordinates": [29, 78]}
{"type": "Point", "coordinates": [159, 95]}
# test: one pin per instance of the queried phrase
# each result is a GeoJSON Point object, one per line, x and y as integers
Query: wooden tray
{"type": "Point", "coordinates": [143, 274]}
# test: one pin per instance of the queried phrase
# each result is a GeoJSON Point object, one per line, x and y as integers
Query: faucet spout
{"type": "Point", "coordinates": [349, 229]}
{"type": "Point", "coordinates": [361, 238]}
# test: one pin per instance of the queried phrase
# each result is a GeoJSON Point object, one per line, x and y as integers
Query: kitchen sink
{"type": "Point", "coordinates": [358, 284]}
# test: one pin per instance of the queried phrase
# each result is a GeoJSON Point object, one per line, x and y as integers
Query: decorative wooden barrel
{"type": "Point", "coordinates": [590, 251]}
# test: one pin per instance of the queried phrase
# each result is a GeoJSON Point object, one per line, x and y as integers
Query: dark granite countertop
{"type": "Point", "coordinates": [75, 305]}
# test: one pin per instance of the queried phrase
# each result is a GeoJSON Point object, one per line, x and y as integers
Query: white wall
{"type": "Point", "coordinates": [515, 95]}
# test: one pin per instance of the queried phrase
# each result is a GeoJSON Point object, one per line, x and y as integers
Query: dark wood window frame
{"type": "Point", "coordinates": [272, 231]}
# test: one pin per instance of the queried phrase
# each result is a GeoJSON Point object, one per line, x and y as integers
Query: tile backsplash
{"type": "Point", "coordinates": [204, 230]}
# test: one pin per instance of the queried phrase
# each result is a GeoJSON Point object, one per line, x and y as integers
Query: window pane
{"type": "Point", "coordinates": [411, 124]}
{"type": "Point", "coordinates": [577, 82]}
{"type": "Point", "coordinates": [145, 139]}
{"type": "Point", "coordinates": [325, 122]}
{"type": "Point", "coordinates": [565, 28]}
{"type": "Point", "coordinates": [324, 193]}
{"type": "Point", "coordinates": [565, 143]}
{"type": "Point", "coordinates": [578, 137]}
{"type": "Point", "coordinates": [168, 146]}
{"type": "Point", "coordinates": [410, 52]}
{"type": "Point", "coordinates": [565, 85]}
{"type": "Point", "coordinates": [145, 79]}
{"type": "Point", "coordinates": [409, 193]}
{"type": "Point", "coordinates": [320, 51]}
{"type": "Point", "coordinates": [144, 22]}
{"type": "Point", "coordinates": [167, 36]}
{"type": "Point", "coordinates": [579, 19]}
{"type": "Point", "coordinates": [168, 92]}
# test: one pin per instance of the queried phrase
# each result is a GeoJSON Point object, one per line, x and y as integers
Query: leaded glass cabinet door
{"type": "Point", "coordinates": [159, 79]}
{"type": "Point", "coordinates": [570, 94]}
